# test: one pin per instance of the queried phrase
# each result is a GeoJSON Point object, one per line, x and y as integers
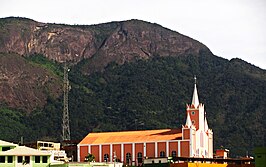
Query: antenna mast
{"type": "Point", "coordinates": [65, 124]}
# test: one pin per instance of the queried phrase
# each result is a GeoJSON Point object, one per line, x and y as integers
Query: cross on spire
{"type": "Point", "coordinates": [195, 98]}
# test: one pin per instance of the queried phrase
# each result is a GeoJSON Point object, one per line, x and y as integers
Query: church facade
{"type": "Point", "coordinates": [194, 139]}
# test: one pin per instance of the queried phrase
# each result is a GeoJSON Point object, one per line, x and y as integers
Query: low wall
{"type": "Point", "coordinates": [94, 164]}
{"type": "Point", "coordinates": [190, 164]}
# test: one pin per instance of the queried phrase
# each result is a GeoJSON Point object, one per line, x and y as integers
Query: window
{"type": "Point", "coordinates": [128, 158]}
{"type": "Point", "coordinates": [139, 157]}
{"type": "Point", "coordinates": [6, 148]}
{"type": "Point", "coordinates": [27, 160]}
{"type": "Point", "coordinates": [193, 112]}
{"type": "Point", "coordinates": [37, 159]}
{"type": "Point", "coordinates": [160, 161]}
{"type": "Point", "coordinates": [10, 159]}
{"type": "Point", "coordinates": [162, 154]}
{"type": "Point", "coordinates": [2, 159]}
{"type": "Point", "coordinates": [173, 153]}
{"type": "Point", "coordinates": [19, 159]}
{"type": "Point", "coordinates": [193, 122]}
{"type": "Point", "coordinates": [106, 157]}
{"type": "Point", "coordinates": [44, 159]}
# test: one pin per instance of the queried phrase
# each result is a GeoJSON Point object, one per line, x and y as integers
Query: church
{"type": "Point", "coordinates": [194, 139]}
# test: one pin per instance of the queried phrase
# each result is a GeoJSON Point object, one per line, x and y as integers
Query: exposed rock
{"type": "Point", "coordinates": [104, 43]}
{"type": "Point", "coordinates": [25, 86]}
{"type": "Point", "coordinates": [136, 39]}
{"type": "Point", "coordinates": [57, 42]}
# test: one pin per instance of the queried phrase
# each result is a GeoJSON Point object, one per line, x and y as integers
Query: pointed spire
{"type": "Point", "coordinates": [195, 98]}
{"type": "Point", "coordinates": [188, 121]}
{"type": "Point", "coordinates": [206, 124]}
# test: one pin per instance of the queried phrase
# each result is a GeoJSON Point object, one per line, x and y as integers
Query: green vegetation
{"type": "Point", "coordinates": [89, 158]}
{"type": "Point", "coordinates": [51, 66]}
{"type": "Point", "coordinates": [151, 94]}
{"type": "Point", "coordinates": [12, 124]}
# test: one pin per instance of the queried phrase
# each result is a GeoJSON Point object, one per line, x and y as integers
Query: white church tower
{"type": "Point", "coordinates": [201, 140]}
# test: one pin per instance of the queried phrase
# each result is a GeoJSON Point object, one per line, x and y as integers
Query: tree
{"type": "Point", "coordinates": [89, 158]}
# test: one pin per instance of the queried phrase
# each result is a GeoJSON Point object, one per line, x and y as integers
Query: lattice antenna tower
{"type": "Point", "coordinates": [65, 123]}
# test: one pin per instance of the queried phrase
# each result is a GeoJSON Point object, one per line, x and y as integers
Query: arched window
{"type": "Point", "coordinates": [128, 158]}
{"type": "Point", "coordinates": [139, 157]}
{"type": "Point", "coordinates": [162, 154]}
{"type": "Point", "coordinates": [173, 153]}
{"type": "Point", "coordinates": [106, 157]}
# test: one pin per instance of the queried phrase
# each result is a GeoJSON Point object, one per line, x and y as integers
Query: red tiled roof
{"type": "Point", "coordinates": [132, 136]}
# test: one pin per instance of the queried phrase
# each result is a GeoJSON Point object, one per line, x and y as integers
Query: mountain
{"type": "Point", "coordinates": [111, 42]}
{"type": "Point", "coordinates": [124, 76]}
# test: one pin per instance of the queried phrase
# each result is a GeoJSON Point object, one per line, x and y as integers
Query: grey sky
{"type": "Point", "coordinates": [230, 28]}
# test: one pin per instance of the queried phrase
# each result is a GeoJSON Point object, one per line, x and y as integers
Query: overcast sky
{"type": "Point", "coordinates": [230, 28]}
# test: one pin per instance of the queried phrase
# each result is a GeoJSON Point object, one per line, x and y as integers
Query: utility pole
{"type": "Point", "coordinates": [65, 121]}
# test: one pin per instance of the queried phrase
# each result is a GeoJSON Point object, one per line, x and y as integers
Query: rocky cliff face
{"type": "Point", "coordinates": [57, 42]}
{"type": "Point", "coordinates": [134, 39]}
{"type": "Point", "coordinates": [25, 86]}
{"type": "Point", "coordinates": [111, 42]}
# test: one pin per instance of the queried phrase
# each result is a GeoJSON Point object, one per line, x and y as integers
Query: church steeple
{"type": "Point", "coordinates": [195, 98]}
{"type": "Point", "coordinates": [196, 127]}
{"type": "Point", "coordinates": [188, 121]}
{"type": "Point", "coordinates": [196, 110]}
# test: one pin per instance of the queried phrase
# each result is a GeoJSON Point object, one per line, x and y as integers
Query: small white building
{"type": "Point", "coordinates": [22, 156]}
{"type": "Point", "coordinates": [13, 155]}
